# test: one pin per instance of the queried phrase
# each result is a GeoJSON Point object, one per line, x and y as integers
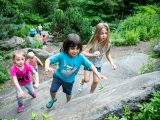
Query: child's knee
{"type": "Point", "coordinates": [96, 81]}
{"type": "Point", "coordinates": [85, 80]}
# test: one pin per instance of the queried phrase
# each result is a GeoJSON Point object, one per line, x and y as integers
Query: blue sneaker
{"type": "Point", "coordinates": [50, 103]}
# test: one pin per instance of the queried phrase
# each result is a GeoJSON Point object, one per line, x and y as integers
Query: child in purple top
{"type": "Point", "coordinates": [20, 72]}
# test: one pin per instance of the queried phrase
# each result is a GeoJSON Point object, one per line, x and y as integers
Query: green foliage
{"type": "Point", "coordinates": [7, 29]}
{"type": "Point", "coordinates": [45, 7]}
{"type": "Point", "coordinates": [143, 22]}
{"type": "Point", "coordinates": [46, 26]}
{"type": "Point", "coordinates": [147, 111]}
{"type": "Point", "coordinates": [8, 119]}
{"type": "Point", "coordinates": [132, 38]}
{"type": "Point", "coordinates": [70, 21]}
{"type": "Point", "coordinates": [111, 117]}
{"type": "Point", "coordinates": [37, 43]}
{"type": "Point", "coordinates": [127, 112]}
{"type": "Point", "coordinates": [150, 111]}
{"type": "Point", "coordinates": [34, 116]}
{"type": "Point", "coordinates": [23, 32]}
{"type": "Point", "coordinates": [101, 86]}
{"type": "Point", "coordinates": [44, 116]}
{"type": "Point", "coordinates": [4, 69]}
{"type": "Point", "coordinates": [147, 67]}
{"type": "Point", "coordinates": [127, 38]}
{"type": "Point", "coordinates": [143, 25]}
{"type": "Point", "coordinates": [153, 43]}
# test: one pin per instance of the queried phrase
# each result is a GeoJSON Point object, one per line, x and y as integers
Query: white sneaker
{"type": "Point", "coordinates": [80, 88]}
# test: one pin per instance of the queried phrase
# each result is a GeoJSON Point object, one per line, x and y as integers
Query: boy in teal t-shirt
{"type": "Point", "coordinates": [70, 59]}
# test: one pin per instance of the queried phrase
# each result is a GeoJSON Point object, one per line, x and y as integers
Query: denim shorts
{"type": "Point", "coordinates": [57, 82]}
{"type": "Point", "coordinates": [98, 69]}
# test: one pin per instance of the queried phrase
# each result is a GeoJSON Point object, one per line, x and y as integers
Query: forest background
{"type": "Point", "coordinates": [130, 21]}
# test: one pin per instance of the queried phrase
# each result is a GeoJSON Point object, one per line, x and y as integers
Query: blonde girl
{"type": "Point", "coordinates": [20, 73]}
{"type": "Point", "coordinates": [98, 46]}
{"type": "Point", "coordinates": [33, 60]}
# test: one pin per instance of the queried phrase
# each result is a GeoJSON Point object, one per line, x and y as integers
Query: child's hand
{"type": "Point", "coordinates": [42, 67]}
{"type": "Point", "coordinates": [96, 53]}
{"type": "Point", "coordinates": [49, 69]}
{"type": "Point", "coordinates": [102, 77]}
{"type": "Point", "coordinates": [114, 67]}
{"type": "Point", "coordinates": [20, 94]}
{"type": "Point", "coordinates": [36, 85]}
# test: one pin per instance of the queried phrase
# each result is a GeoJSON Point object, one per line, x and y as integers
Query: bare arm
{"type": "Point", "coordinates": [39, 61]}
{"type": "Point", "coordinates": [108, 56]}
{"type": "Point", "coordinates": [20, 91]}
{"type": "Point", "coordinates": [87, 54]}
{"type": "Point", "coordinates": [47, 66]}
{"type": "Point", "coordinates": [93, 68]}
{"type": "Point", "coordinates": [36, 79]}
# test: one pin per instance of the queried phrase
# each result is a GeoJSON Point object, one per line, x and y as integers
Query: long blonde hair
{"type": "Point", "coordinates": [96, 37]}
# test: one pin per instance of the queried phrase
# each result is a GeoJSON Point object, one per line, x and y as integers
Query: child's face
{"type": "Point", "coordinates": [103, 34]}
{"type": "Point", "coordinates": [31, 58]}
{"type": "Point", "coordinates": [73, 51]}
{"type": "Point", "coordinates": [19, 60]}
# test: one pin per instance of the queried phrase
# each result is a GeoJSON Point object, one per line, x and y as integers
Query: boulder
{"type": "Point", "coordinates": [42, 54]}
{"type": "Point", "coordinates": [11, 43]}
{"type": "Point", "coordinates": [157, 48]}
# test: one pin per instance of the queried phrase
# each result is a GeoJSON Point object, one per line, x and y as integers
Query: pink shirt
{"type": "Point", "coordinates": [44, 39]}
{"type": "Point", "coordinates": [23, 76]}
{"type": "Point", "coordinates": [33, 62]}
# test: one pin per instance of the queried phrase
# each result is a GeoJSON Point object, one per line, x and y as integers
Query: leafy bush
{"type": "Point", "coordinates": [37, 43]}
{"type": "Point", "coordinates": [147, 67]}
{"type": "Point", "coordinates": [44, 116]}
{"type": "Point", "coordinates": [153, 43]}
{"type": "Point", "coordinates": [23, 32]}
{"type": "Point", "coordinates": [4, 71]}
{"type": "Point", "coordinates": [143, 25]}
{"type": "Point", "coordinates": [7, 29]}
{"type": "Point", "coordinates": [70, 21]}
{"type": "Point", "coordinates": [132, 38]}
{"type": "Point", "coordinates": [147, 111]}
{"type": "Point", "coordinates": [46, 26]}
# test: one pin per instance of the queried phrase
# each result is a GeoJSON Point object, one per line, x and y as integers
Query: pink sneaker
{"type": "Point", "coordinates": [20, 108]}
{"type": "Point", "coordinates": [33, 95]}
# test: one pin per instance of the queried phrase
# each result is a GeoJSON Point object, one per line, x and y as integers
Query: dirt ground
{"type": "Point", "coordinates": [115, 52]}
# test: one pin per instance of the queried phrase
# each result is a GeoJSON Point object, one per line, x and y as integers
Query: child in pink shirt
{"type": "Point", "coordinates": [20, 72]}
{"type": "Point", "coordinates": [33, 60]}
{"type": "Point", "coordinates": [44, 39]}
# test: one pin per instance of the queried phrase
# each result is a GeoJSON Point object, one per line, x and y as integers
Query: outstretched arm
{"type": "Point", "coordinates": [47, 66]}
{"type": "Point", "coordinates": [20, 91]}
{"type": "Point", "coordinates": [93, 68]}
{"type": "Point", "coordinates": [108, 56]}
{"type": "Point", "coordinates": [87, 54]}
{"type": "Point", "coordinates": [39, 61]}
{"type": "Point", "coordinates": [36, 79]}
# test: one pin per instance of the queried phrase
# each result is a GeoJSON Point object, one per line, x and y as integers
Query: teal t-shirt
{"type": "Point", "coordinates": [68, 66]}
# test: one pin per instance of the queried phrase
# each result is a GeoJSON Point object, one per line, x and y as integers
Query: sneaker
{"type": "Point", "coordinates": [80, 88]}
{"type": "Point", "coordinates": [50, 103]}
{"type": "Point", "coordinates": [33, 95]}
{"type": "Point", "coordinates": [20, 108]}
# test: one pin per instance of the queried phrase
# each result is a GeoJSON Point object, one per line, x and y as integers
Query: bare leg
{"type": "Point", "coordinates": [94, 83]}
{"type": "Point", "coordinates": [86, 77]}
{"type": "Point", "coordinates": [68, 97]}
{"type": "Point", "coordinates": [53, 95]}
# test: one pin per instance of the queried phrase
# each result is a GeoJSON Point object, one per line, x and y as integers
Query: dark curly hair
{"type": "Point", "coordinates": [72, 40]}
